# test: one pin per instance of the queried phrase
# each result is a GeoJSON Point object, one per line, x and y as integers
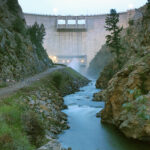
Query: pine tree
{"type": "Point", "coordinates": [148, 4]}
{"type": "Point", "coordinates": [113, 40]}
{"type": "Point", "coordinates": [37, 33]}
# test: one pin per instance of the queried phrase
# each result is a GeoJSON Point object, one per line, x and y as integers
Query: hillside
{"type": "Point", "coordinates": [101, 59]}
{"type": "Point", "coordinates": [127, 93]}
{"type": "Point", "coordinates": [19, 56]}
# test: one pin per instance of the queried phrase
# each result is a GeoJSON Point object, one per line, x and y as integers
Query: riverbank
{"type": "Point", "coordinates": [86, 132]}
{"type": "Point", "coordinates": [34, 114]}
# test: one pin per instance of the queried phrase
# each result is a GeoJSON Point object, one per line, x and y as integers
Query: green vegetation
{"type": "Point", "coordinates": [108, 72]}
{"type": "Point", "coordinates": [148, 4]}
{"type": "Point", "coordinates": [67, 81]}
{"type": "Point", "coordinates": [143, 78]}
{"type": "Point", "coordinates": [138, 104]}
{"type": "Point", "coordinates": [142, 113]}
{"type": "Point", "coordinates": [37, 33]}
{"type": "Point", "coordinates": [131, 22]}
{"type": "Point", "coordinates": [12, 5]}
{"type": "Point", "coordinates": [131, 68]}
{"type": "Point", "coordinates": [20, 57]}
{"type": "Point", "coordinates": [135, 92]}
{"type": "Point", "coordinates": [113, 40]}
{"type": "Point", "coordinates": [12, 133]}
{"type": "Point", "coordinates": [34, 128]}
{"type": "Point", "coordinates": [57, 78]}
{"type": "Point", "coordinates": [75, 74]}
{"type": "Point", "coordinates": [128, 106]}
{"type": "Point", "coordinates": [19, 26]}
{"type": "Point", "coordinates": [3, 84]}
{"type": "Point", "coordinates": [21, 126]}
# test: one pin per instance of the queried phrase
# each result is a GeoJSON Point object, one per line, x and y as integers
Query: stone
{"type": "Point", "coordinates": [52, 145]}
{"type": "Point", "coordinates": [32, 102]}
{"type": "Point", "coordinates": [98, 115]}
{"type": "Point", "coordinates": [99, 96]}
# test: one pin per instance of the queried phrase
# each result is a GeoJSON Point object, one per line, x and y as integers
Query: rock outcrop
{"type": "Point", "coordinates": [127, 93]}
{"type": "Point", "coordinates": [19, 57]}
{"type": "Point", "coordinates": [128, 100]}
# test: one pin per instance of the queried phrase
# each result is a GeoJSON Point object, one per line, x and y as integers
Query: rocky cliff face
{"type": "Point", "coordinates": [19, 57]}
{"type": "Point", "coordinates": [101, 59]}
{"type": "Point", "coordinates": [127, 94]}
{"type": "Point", "coordinates": [128, 98]}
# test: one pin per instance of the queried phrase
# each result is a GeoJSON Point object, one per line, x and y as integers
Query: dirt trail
{"type": "Point", "coordinates": [4, 92]}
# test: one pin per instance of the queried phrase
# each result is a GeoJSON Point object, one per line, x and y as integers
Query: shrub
{"type": "Point", "coordinates": [128, 31]}
{"type": "Point", "coordinates": [143, 77]}
{"type": "Point", "coordinates": [12, 139]}
{"type": "Point", "coordinates": [19, 50]}
{"type": "Point", "coordinates": [131, 68]}
{"type": "Point", "coordinates": [148, 4]}
{"type": "Point", "coordinates": [34, 128]}
{"type": "Point", "coordinates": [57, 78]}
{"type": "Point", "coordinates": [11, 135]}
{"type": "Point", "coordinates": [128, 106]}
{"type": "Point", "coordinates": [12, 5]}
{"type": "Point", "coordinates": [131, 22]}
{"type": "Point", "coordinates": [141, 99]}
{"type": "Point", "coordinates": [37, 33]}
{"type": "Point", "coordinates": [135, 92]}
{"type": "Point", "coordinates": [142, 113]}
{"type": "Point", "coordinates": [19, 26]}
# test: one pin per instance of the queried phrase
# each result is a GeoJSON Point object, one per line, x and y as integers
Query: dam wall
{"type": "Point", "coordinates": [75, 43]}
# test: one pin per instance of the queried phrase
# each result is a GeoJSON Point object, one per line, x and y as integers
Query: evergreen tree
{"type": "Point", "coordinates": [148, 4]}
{"type": "Point", "coordinates": [37, 33]}
{"type": "Point", "coordinates": [12, 5]}
{"type": "Point", "coordinates": [113, 40]}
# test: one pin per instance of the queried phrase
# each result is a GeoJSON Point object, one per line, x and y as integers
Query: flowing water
{"type": "Point", "coordinates": [86, 131]}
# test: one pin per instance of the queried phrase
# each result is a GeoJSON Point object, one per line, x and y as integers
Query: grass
{"type": "Point", "coordinates": [12, 134]}
{"type": "Point", "coordinates": [20, 127]}
{"type": "Point", "coordinates": [3, 84]}
{"type": "Point", "coordinates": [75, 73]}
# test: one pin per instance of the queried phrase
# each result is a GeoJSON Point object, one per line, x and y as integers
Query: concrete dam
{"type": "Point", "coordinates": [70, 38]}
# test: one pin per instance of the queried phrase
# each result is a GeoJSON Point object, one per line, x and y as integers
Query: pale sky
{"type": "Point", "coordinates": [78, 7]}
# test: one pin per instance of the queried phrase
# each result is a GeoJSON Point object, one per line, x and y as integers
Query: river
{"type": "Point", "coordinates": [86, 131]}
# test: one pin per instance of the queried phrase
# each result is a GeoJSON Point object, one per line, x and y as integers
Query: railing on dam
{"type": "Point", "coordinates": [74, 23]}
